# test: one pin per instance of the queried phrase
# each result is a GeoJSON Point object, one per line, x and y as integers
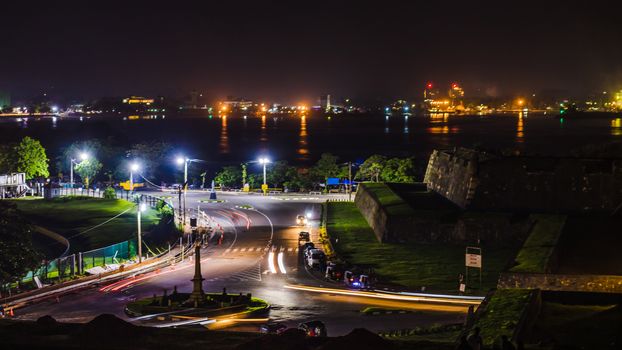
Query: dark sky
{"type": "Point", "coordinates": [293, 51]}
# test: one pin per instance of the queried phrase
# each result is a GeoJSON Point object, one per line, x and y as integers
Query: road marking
{"type": "Point", "coordinates": [235, 250]}
{"type": "Point", "coordinates": [282, 249]}
{"type": "Point", "coordinates": [227, 250]}
{"type": "Point", "coordinates": [243, 250]}
{"type": "Point", "coordinates": [290, 249]}
{"type": "Point", "coordinates": [296, 249]}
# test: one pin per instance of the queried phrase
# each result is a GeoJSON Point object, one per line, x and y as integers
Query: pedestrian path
{"type": "Point", "coordinates": [251, 274]}
{"type": "Point", "coordinates": [264, 249]}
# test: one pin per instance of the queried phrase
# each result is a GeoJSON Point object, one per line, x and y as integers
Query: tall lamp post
{"type": "Point", "coordinates": [264, 161]}
{"type": "Point", "coordinates": [185, 160]}
{"type": "Point", "coordinates": [134, 167]}
{"type": "Point", "coordinates": [83, 156]}
{"type": "Point", "coordinates": [141, 208]}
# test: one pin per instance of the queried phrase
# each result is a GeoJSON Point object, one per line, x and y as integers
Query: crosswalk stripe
{"type": "Point", "coordinates": [290, 249]}
{"type": "Point", "coordinates": [235, 250]}
{"type": "Point", "coordinates": [282, 249]}
{"type": "Point", "coordinates": [243, 250]}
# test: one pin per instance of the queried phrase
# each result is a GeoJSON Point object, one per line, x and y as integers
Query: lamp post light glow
{"type": "Point", "coordinates": [83, 156]}
{"type": "Point", "coordinates": [264, 161]}
{"type": "Point", "coordinates": [133, 168]}
{"type": "Point", "coordinates": [185, 161]}
{"type": "Point", "coordinates": [141, 208]}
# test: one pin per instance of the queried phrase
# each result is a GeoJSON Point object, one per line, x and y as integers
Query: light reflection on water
{"type": "Point", "coordinates": [302, 140]}
{"type": "Point", "coordinates": [303, 149]}
{"type": "Point", "coordinates": [224, 136]}
{"type": "Point", "coordinates": [520, 128]}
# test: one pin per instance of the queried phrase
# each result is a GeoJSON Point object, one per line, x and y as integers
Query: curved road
{"type": "Point", "coordinates": [240, 264]}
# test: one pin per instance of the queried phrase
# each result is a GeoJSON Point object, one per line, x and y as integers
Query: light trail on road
{"type": "Point", "coordinates": [410, 298]}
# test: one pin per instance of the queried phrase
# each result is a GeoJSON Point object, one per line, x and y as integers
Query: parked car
{"type": "Point", "coordinates": [301, 220]}
{"type": "Point", "coordinates": [315, 257]}
{"type": "Point", "coordinates": [272, 328]}
{"type": "Point", "coordinates": [304, 236]}
{"type": "Point", "coordinates": [334, 272]}
{"type": "Point", "coordinates": [314, 328]}
{"type": "Point", "coordinates": [356, 281]}
{"type": "Point", "coordinates": [305, 247]}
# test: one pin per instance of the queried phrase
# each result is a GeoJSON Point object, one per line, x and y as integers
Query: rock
{"type": "Point", "coordinates": [360, 339]}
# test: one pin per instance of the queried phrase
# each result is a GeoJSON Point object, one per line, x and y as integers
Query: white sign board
{"type": "Point", "coordinates": [474, 260]}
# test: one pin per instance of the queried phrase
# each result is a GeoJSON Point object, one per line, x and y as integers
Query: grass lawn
{"type": "Point", "coordinates": [393, 203]}
{"type": "Point", "coordinates": [535, 253]}
{"type": "Point", "coordinates": [69, 216]}
{"type": "Point", "coordinates": [581, 326]}
{"type": "Point", "coordinates": [435, 266]}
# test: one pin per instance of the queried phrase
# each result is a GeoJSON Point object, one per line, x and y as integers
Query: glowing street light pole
{"type": "Point", "coordinates": [141, 207]}
{"type": "Point", "coordinates": [264, 161]}
{"type": "Point", "coordinates": [83, 156]}
{"type": "Point", "coordinates": [133, 167]}
{"type": "Point", "coordinates": [184, 161]}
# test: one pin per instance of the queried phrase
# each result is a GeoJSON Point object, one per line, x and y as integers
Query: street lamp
{"type": "Point", "coordinates": [264, 161]}
{"type": "Point", "coordinates": [141, 208]}
{"type": "Point", "coordinates": [185, 160]}
{"type": "Point", "coordinates": [83, 156]}
{"type": "Point", "coordinates": [133, 168]}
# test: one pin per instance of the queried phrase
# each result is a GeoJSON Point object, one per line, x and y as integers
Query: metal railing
{"type": "Point", "coordinates": [114, 254]}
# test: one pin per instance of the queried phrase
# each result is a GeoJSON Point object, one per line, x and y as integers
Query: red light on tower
{"type": "Point", "coordinates": [454, 85]}
{"type": "Point", "coordinates": [429, 85]}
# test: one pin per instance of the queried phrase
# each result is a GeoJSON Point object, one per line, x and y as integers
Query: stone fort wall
{"type": "Point", "coordinates": [478, 180]}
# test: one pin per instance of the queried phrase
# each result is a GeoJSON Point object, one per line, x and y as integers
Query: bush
{"type": "Point", "coordinates": [109, 193]}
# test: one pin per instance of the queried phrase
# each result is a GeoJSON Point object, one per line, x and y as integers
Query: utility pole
{"type": "Point", "coordinates": [185, 187]}
{"type": "Point", "coordinates": [180, 212]}
{"type": "Point", "coordinates": [141, 207]}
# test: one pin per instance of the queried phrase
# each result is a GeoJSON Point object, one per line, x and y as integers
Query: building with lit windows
{"type": "Point", "coordinates": [138, 100]}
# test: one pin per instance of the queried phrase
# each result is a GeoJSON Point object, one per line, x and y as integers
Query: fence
{"type": "Point", "coordinates": [78, 263]}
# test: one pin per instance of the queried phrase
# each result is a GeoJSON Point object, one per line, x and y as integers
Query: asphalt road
{"type": "Point", "coordinates": [240, 264]}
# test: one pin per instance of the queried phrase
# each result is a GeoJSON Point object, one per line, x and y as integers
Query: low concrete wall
{"type": "Point", "coordinates": [562, 283]}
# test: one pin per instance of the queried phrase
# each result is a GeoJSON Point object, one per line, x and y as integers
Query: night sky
{"type": "Point", "coordinates": [294, 52]}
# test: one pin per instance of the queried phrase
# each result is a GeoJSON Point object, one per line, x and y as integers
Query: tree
{"type": "Point", "coordinates": [17, 254]}
{"type": "Point", "coordinates": [371, 168]}
{"type": "Point", "coordinates": [152, 156]}
{"type": "Point", "coordinates": [325, 167]}
{"type": "Point", "coordinates": [244, 174]}
{"type": "Point", "coordinates": [113, 164]}
{"type": "Point", "coordinates": [228, 176]}
{"type": "Point", "coordinates": [109, 193]}
{"type": "Point", "coordinates": [88, 169]}
{"type": "Point", "coordinates": [398, 170]}
{"type": "Point", "coordinates": [280, 172]}
{"type": "Point", "coordinates": [30, 158]}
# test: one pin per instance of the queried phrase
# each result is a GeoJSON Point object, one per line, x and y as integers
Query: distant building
{"type": "Point", "coordinates": [235, 105]}
{"type": "Point", "coordinates": [325, 102]}
{"type": "Point", "coordinates": [430, 92]}
{"type": "Point", "coordinates": [133, 100]}
{"type": "Point", "coordinates": [456, 92]}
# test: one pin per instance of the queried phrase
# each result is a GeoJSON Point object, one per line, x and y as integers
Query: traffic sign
{"type": "Point", "coordinates": [474, 260]}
